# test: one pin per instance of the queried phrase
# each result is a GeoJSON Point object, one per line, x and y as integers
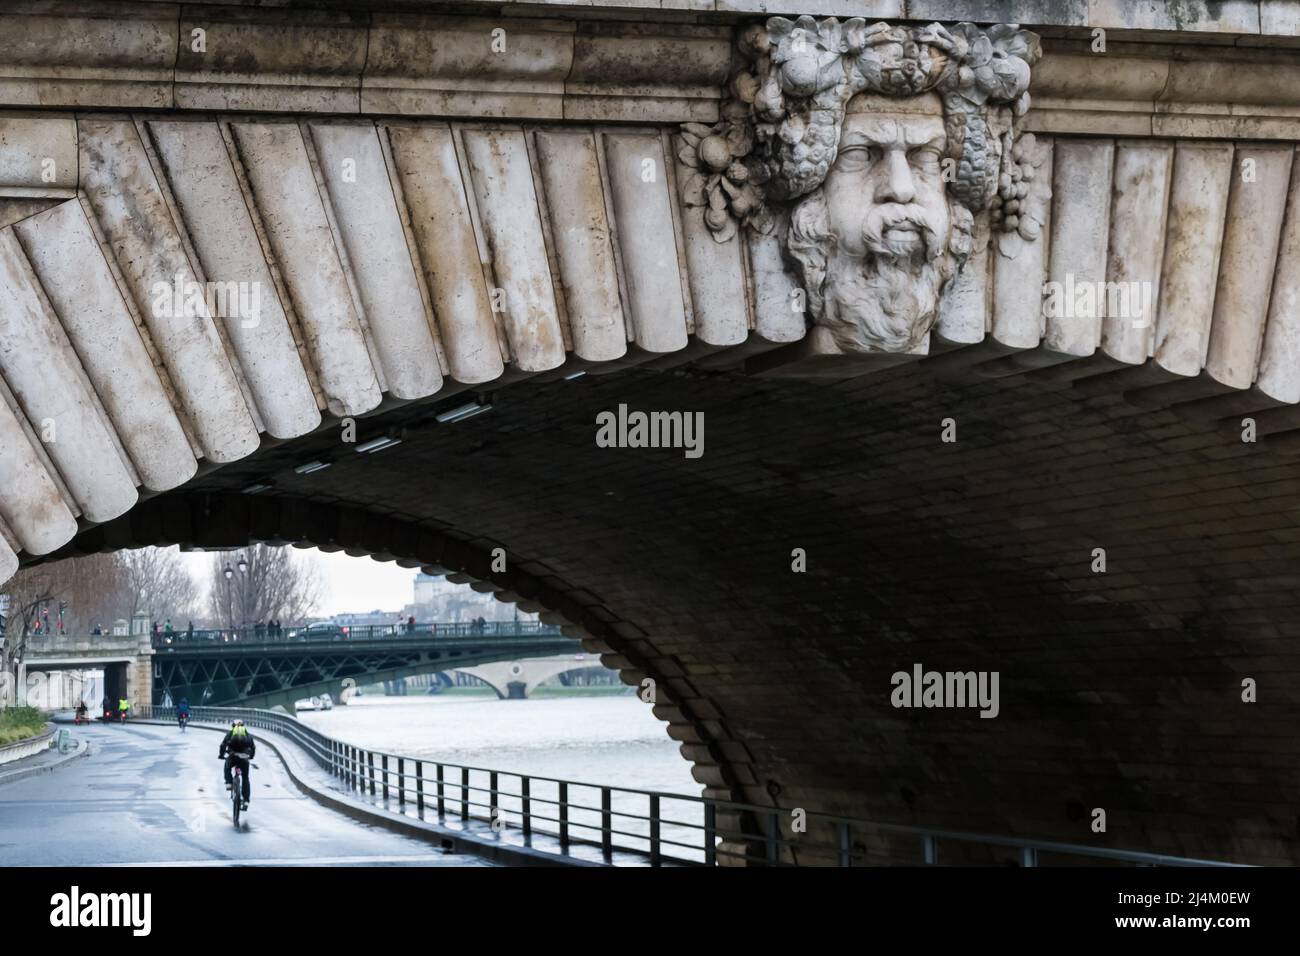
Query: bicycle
{"type": "Point", "coordinates": [237, 772]}
{"type": "Point", "coordinates": [183, 719]}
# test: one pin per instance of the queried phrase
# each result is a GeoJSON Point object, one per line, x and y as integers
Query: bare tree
{"type": "Point", "coordinates": [158, 584]}
{"type": "Point", "coordinates": [90, 588]}
{"type": "Point", "coordinates": [265, 582]}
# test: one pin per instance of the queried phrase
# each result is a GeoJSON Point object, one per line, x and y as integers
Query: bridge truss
{"type": "Point", "coordinates": [277, 674]}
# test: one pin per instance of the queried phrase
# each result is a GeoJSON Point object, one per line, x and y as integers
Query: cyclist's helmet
{"type": "Point", "coordinates": [236, 723]}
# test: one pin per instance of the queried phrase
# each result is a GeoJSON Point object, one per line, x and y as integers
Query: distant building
{"type": "Point", "coordinates": [437, 599]}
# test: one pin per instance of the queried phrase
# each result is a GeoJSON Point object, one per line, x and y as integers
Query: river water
{"type": "Point", "coordinates": [590, 738]}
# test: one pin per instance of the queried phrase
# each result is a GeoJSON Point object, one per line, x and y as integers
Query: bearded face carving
{"type": "Point", "coordinates": [869, 150]}
{"type": "Point", "coordinates": [877, 241]}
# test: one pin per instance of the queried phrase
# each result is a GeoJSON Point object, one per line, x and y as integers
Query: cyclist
{"type": "Point", "coordinates": [183, 712]}
{"type": "Point", "coordinates": [239, 741]}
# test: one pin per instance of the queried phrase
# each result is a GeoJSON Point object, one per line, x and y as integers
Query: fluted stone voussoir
{"type": "Point", "coordinates": [41, 369]}
{"type": "Point", "coordinates": [123, 191]}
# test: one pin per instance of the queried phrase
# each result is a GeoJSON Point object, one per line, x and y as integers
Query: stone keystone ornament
{"type": "Point", "coordinates": [869, 150]}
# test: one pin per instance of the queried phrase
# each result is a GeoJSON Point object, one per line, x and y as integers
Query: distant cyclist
{"type": "Point", "coordinates": [183, 712]}
{"type": "Point", "coordinates": [239, 742]}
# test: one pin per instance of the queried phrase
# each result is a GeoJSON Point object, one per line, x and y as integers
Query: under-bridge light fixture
{"type": "Point", "coordinates": [229, 572]}
{"type": "Point", "coordinates": [572, 375]}
{"type": "Point", "coordinates": [378, 444]}
{"type": "Point", "coordinates": [257, 487]}
{"type": "Point", "coordinates": [243, 564]}
{"type": "Point", "coordinates": [309, 467]}
{"type": "Point", "coordinates": [462, 412]}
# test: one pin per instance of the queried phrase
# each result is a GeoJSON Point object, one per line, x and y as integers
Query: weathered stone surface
{"type": "Point", "coordinates": [435, 192]}
{"type": "Point", "coordinates": [292, 211]}
{"type": "Point", "coordinates": [37, 154]}
{"type": "Point", "coordinates": [87, 53]}
{"type": "Point", "coordinates": [31, 504]}
{"type": "Point", "coordinates": [507, 208]}
{"type": "Point", "coordinates": [1137, 245]}
{"type": "Point", "coordinates": [584, 243]}
{"type": "Point", "coordinates": [361, 196]}
{"type": "Point", "coordinates": [122, 191]}
{"type": "Point", "coordinates": [1081, 174]}
{"type": "Point", "coordinates": [1198, 203]}
{"type": "Point", "coordinates": [73, 273]}
{"type": "Point", "coordinates": [39, 366]}
{"type": "Point", "coordinates": [1250, 238]}
{"type": "Point", "coordinates": [266, 60]}
{"type": "Point", "coordinates": [467, 66]}
{"type": "Point", "coordinates": [638, 179]}
{"type": "Point", "coordinates": [215, 212]}
{"type": "Point", "coordinates": [1279, 363]}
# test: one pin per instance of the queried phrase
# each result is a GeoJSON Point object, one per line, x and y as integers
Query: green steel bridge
{"type": "Point", "coordinates": [254, 667]}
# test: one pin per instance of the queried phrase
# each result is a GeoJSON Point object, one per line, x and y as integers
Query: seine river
{"type": "Point", "coordinates": [571, 734]}
{"type": "Point", "coordinates": [597, 738]}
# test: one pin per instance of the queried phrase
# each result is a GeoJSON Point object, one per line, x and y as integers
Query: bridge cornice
{"type": "Point", "coordinates": [1163, 72]}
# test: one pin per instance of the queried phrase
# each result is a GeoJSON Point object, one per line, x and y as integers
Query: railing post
{"type": "Point", "coordinates": [370, 762]}
{"type": "Point", "coordinates": [710, 833]}
{"type": "Point", "coordinates": [493, 809]}
{"type": "Point", "coordinates": [442, 809]}
{"type": "Point", "coordinates": [464, 794]}
{"type": "Point", "coordinates": [930, 849]}
{"type": "Point", "coordinates": [401, 782]}
{"type": "Point", "coordinates": [774, 840]}
{"type": "Point", "coordinates": [606, 824]}
{"type": "Point", "coordinates": [1028, 856]}
{"type": "Point", "coordinates": [564, 816]}
{"type": "Point", "coordinates": [525, 795]}
{"type": "Point", "coordinates": [846, 843]}
{"type": "Point", "coordinates": [419, 787]}
{"type": "Point", "coordinates": [654, 829]}
{"type": "Point", "coordinates": [383, 770]}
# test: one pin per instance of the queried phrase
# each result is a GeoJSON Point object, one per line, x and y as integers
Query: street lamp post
{"type": "Point", "coordinates": [229, 573]}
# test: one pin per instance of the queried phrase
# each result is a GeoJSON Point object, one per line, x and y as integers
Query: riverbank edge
{"type": "Point", "coordinates": [17, 773]}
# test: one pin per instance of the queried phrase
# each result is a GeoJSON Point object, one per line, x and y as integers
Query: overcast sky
{"type": "Point", "coordinates": [351, 584]}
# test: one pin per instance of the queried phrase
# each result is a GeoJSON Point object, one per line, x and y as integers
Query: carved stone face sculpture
{"type": "Point", "coordinates": [869, 149]}
{"type": "Point", "coordinates": [873, 243]}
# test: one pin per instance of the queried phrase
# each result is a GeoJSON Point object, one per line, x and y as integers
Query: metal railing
{"type": "Point", "coordinates": [665, 828]}
{"type": "Point", "coordinates": [304, 634]}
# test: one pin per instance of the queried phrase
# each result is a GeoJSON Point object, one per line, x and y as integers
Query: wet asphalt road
{"type": "Point", "coordinates": [151, 795]}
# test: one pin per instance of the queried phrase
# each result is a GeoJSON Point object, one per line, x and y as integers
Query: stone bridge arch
{"type": "Point", "coordinates": [221, 522]}
{"type": "Point", "coordinates": [1075, 428]}
{"type": "Point", "coordinates": [516, 680]}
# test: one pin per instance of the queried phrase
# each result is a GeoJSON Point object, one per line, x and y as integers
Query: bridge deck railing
{"type": "Point", "coordinates": [666, 828]}
{"type": "Point", "coordinates": [302, 634]}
